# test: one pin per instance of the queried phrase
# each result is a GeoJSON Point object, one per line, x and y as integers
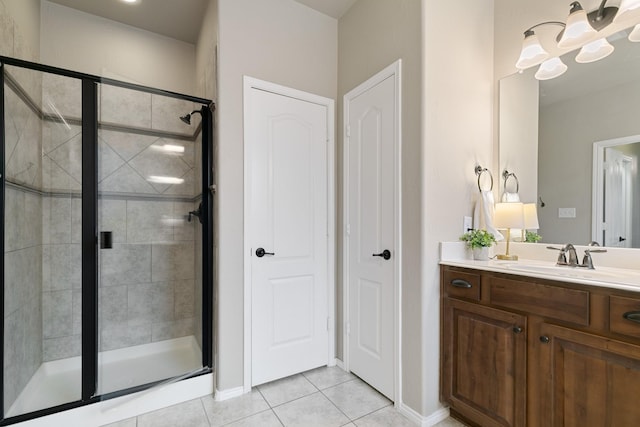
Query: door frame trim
{"type": "Point", "coordinates": [253, 83]}
{"type": "Point", "coordinates": [597, 180]}
{"type": "Point", "coordinates": [394, 70]}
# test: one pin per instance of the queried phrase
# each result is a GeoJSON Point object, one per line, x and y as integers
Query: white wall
{"type": "Point", "coordinates": [456, 134]}
{"type": "Point", "coordinates": [372, 35]}
{"type": "Point", "coordinates": [279, 41]}
{"type": "Point", "coordinates": [206, 53]}
{"type": "Point", "coordinates": [82, 42]}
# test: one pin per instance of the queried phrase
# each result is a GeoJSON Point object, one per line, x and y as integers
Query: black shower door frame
{"type": "Point", "coordinates": [89, 352]}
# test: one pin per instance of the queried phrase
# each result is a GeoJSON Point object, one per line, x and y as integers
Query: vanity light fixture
{"type": "Point", "coordinates": [629, 9]}
{"type": "Point", "coordinates": [635, 34]}
{"type": "Point", "coordinates": [594, 51]}
{"type": "Point", "coordinates": [532, 51]}
{"type": "Point", "coordinates": [130, 1]}
{"type": "Point", "coordinates": [550, 69]}
{"type": "Point", "coordinates": [509, 215]}
{"type": "Point", "coordinates": [580, 30]}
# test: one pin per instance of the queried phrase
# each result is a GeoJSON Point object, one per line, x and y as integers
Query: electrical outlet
{"type": "Point", "coordinates": [566, 212]}
{"type": "Point", "coordinates": [466, 224]}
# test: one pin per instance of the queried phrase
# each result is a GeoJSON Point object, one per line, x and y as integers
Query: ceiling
{"type": "Point", "coordinates": [178, 19]}
{"type": "Point", "coordinates": [333, 8]}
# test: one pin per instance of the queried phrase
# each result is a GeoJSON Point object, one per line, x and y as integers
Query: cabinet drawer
{"type": "Point", "coordinates": [569, 305]}
{"type": "Point", "coordinates": [461, 284]}
{"type": "Point", "coordinates": [624, 316]}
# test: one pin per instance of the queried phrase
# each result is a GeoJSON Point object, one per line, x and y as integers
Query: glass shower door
{"type": "Point", "coordinates": [149, 291]}
{"type": "Point", "coordinates": [42, 188]}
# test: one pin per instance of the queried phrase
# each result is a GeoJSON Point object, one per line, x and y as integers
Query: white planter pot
{"type": "Point", "coordinates": [481, 254]}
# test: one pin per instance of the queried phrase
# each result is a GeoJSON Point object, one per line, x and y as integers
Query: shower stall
{"type": "Point", "coordinates": [107, 236]}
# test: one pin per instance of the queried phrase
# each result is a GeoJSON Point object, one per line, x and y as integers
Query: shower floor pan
{"type": "Point", "coordinates": [59, 381]}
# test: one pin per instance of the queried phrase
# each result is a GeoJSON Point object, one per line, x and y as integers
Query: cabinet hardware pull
{"type": "Point", "coordinates": [544, 339]}
{"type": "Point", "coordinates": [633, 316]}
{"type": "Point", "coordinates": [517, 330]}
{"type": "Point", "coordinates": [459, 283]}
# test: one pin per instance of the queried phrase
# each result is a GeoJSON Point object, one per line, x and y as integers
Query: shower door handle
{"type": "Point", "coordinates": [106, 240]}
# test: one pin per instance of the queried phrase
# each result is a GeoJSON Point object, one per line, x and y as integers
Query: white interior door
{"type": "Point", "coordinates": [286, 139]}
{"type": "Point", "coordinates": [370, 180]}
{"type": "Point", "coordinates": [617, 199]}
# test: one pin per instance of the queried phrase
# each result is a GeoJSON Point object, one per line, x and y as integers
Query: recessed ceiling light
{"type": "Point", "coordinates": [130, 1]}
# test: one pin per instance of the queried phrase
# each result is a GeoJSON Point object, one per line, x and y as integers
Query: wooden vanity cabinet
{"type": "Point", "coordinates": [592, 381]}
{"type": "Point", "coordinates": [484, 363]}
{"type": "Point", "coordinates": [519, 351]}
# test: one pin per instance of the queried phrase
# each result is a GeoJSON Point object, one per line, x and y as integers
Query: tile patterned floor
{"type": "Point", "coordinates": [323, 397]}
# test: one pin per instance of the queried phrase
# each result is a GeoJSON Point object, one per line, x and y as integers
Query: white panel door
{"type": "Point", "coordinates": [617, 199]}
{"type": "Point", "coordinates": [371, 183]}
{"type": "Point", "coordinates": [287, 139]}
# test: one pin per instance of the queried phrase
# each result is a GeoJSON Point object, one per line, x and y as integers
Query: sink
{"type": "Point", "coordinates": [606, 274]}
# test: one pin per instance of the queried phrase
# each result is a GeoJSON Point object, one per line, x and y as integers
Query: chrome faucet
{"type": "Point", "coordinates": [587, 262]}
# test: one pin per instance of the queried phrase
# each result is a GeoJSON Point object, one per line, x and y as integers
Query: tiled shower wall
{"type": "Point", "coordinates": [147, 280]}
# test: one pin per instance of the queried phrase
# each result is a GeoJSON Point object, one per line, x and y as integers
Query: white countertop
{"type": "Point", "coordinates": [541, 263]}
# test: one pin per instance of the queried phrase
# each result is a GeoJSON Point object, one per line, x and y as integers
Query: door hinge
{"type": "Point", "coordinates": [348, 328]}
{"type": "Point", "coordinates": [327, 324]}
{"type": "Point", "coordinates": [348, 131]}
{"type": "Point", "coordinates": [348, 229]}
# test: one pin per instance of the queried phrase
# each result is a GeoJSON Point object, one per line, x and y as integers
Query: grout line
{"type": "Point", "coordinates": [278, 418]}
{"type": "Point", "coordinates": [206, 415]}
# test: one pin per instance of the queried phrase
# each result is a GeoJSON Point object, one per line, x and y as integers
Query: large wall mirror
{"type": "Point", "coordinates": [574, 141]}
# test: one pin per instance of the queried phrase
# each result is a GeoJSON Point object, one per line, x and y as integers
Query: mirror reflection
{"type": "Point", "coordinates": [585, 130]}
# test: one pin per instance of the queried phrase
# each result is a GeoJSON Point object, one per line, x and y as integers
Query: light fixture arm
{"type": "Point", "coordinates": [529, 31]}
{"type": "Point", "coordinates": [600, 15]}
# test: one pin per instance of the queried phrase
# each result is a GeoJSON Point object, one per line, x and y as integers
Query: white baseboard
{"type": "Point", "coordinates": [228, 394]}
{"type": "Point", "coordinates": [340, 364]}
{"type": "Point", "coordinates": [429, 421]}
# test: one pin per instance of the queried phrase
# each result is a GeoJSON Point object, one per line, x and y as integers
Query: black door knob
{"type": "Point", "coordinates": [386, 254]}
{"type": "Point", "coordinates": [544, 339]}
{"type": "Point", "coordinates": [517, 330]}
{"type": "Point", "coordinates": [260, 252]}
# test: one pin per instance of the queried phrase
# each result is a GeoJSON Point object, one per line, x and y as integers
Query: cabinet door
{"type": "Point", "coordinates": [484, 363]}
{"type": "Point", "coordinates": [593, 381]}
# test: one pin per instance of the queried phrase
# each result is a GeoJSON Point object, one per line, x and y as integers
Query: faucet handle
{"type": "Point", "coordinates": [587, 261]}
{"type": "Point", "coordinates": [562, 257]}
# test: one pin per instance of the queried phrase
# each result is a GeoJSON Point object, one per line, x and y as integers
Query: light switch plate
{"type": "Point", "coordinates": [466, 224]}
{"type": "Point", "coordinates": [566, 212]}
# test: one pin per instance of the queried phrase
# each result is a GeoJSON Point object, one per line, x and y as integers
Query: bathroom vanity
{"type": "Point", "coordinates": [520, 347]}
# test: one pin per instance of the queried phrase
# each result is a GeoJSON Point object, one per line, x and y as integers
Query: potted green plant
{"type": "Point", "coordinates": [479, 241]}
{"type": "Point", "coordinates": [532, 237]}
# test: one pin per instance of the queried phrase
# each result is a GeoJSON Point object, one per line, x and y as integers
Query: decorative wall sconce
{"type": "Point", "coordinates": [581, 30]}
